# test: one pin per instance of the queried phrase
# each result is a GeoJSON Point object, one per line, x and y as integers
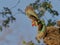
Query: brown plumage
{"type": "Point", "coordinates": [30, 12]}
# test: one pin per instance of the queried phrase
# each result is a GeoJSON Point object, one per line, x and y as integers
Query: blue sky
{"type": "Point", "coordinates": [21, 29]}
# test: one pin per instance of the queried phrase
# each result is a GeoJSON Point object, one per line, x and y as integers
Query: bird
{"type": "Point", "coordinates": [30, 12]}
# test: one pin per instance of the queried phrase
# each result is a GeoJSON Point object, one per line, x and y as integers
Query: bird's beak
{"type": "Point", "coordinates": [33, 23]}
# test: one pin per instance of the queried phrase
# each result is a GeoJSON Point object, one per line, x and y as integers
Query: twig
{"type": "Point", "coordinates": [22, 11]}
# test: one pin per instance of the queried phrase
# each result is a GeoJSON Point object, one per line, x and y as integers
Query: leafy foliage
{"type": "Point", "coordinates": [7, 13]}
{"type": "Point", "coordinates": [43, 7]}
{"type": "Point", "coordinates": [28, 43]}
{"type": "Point", "coordinates": [51, 23]}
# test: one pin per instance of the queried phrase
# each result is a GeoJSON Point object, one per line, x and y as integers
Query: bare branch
{"type": "Point", "coordinates": [15, 4]}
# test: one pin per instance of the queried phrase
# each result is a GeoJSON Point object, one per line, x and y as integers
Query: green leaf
{"type": "Point", "coordinates": [7, 10]}
{"type": "Point", "coordinates": [6, 22]}
{"type": "Point", "coordinates": [51, 23]}
{"type": "Point", "coordinates": [31, 4]}
{"type": "Point", "coordinates": [35, 6]}
{"type": "Point", "coordinates": [55, 13]}
{"type": "Point", "coordinates": [24, 42]}
{"type": "Point", "coordinates": [0, 28]}
{"type": "Point", "coordinates": [13, 18]}
{"type": "Point", "coordinates": [37, 1]}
